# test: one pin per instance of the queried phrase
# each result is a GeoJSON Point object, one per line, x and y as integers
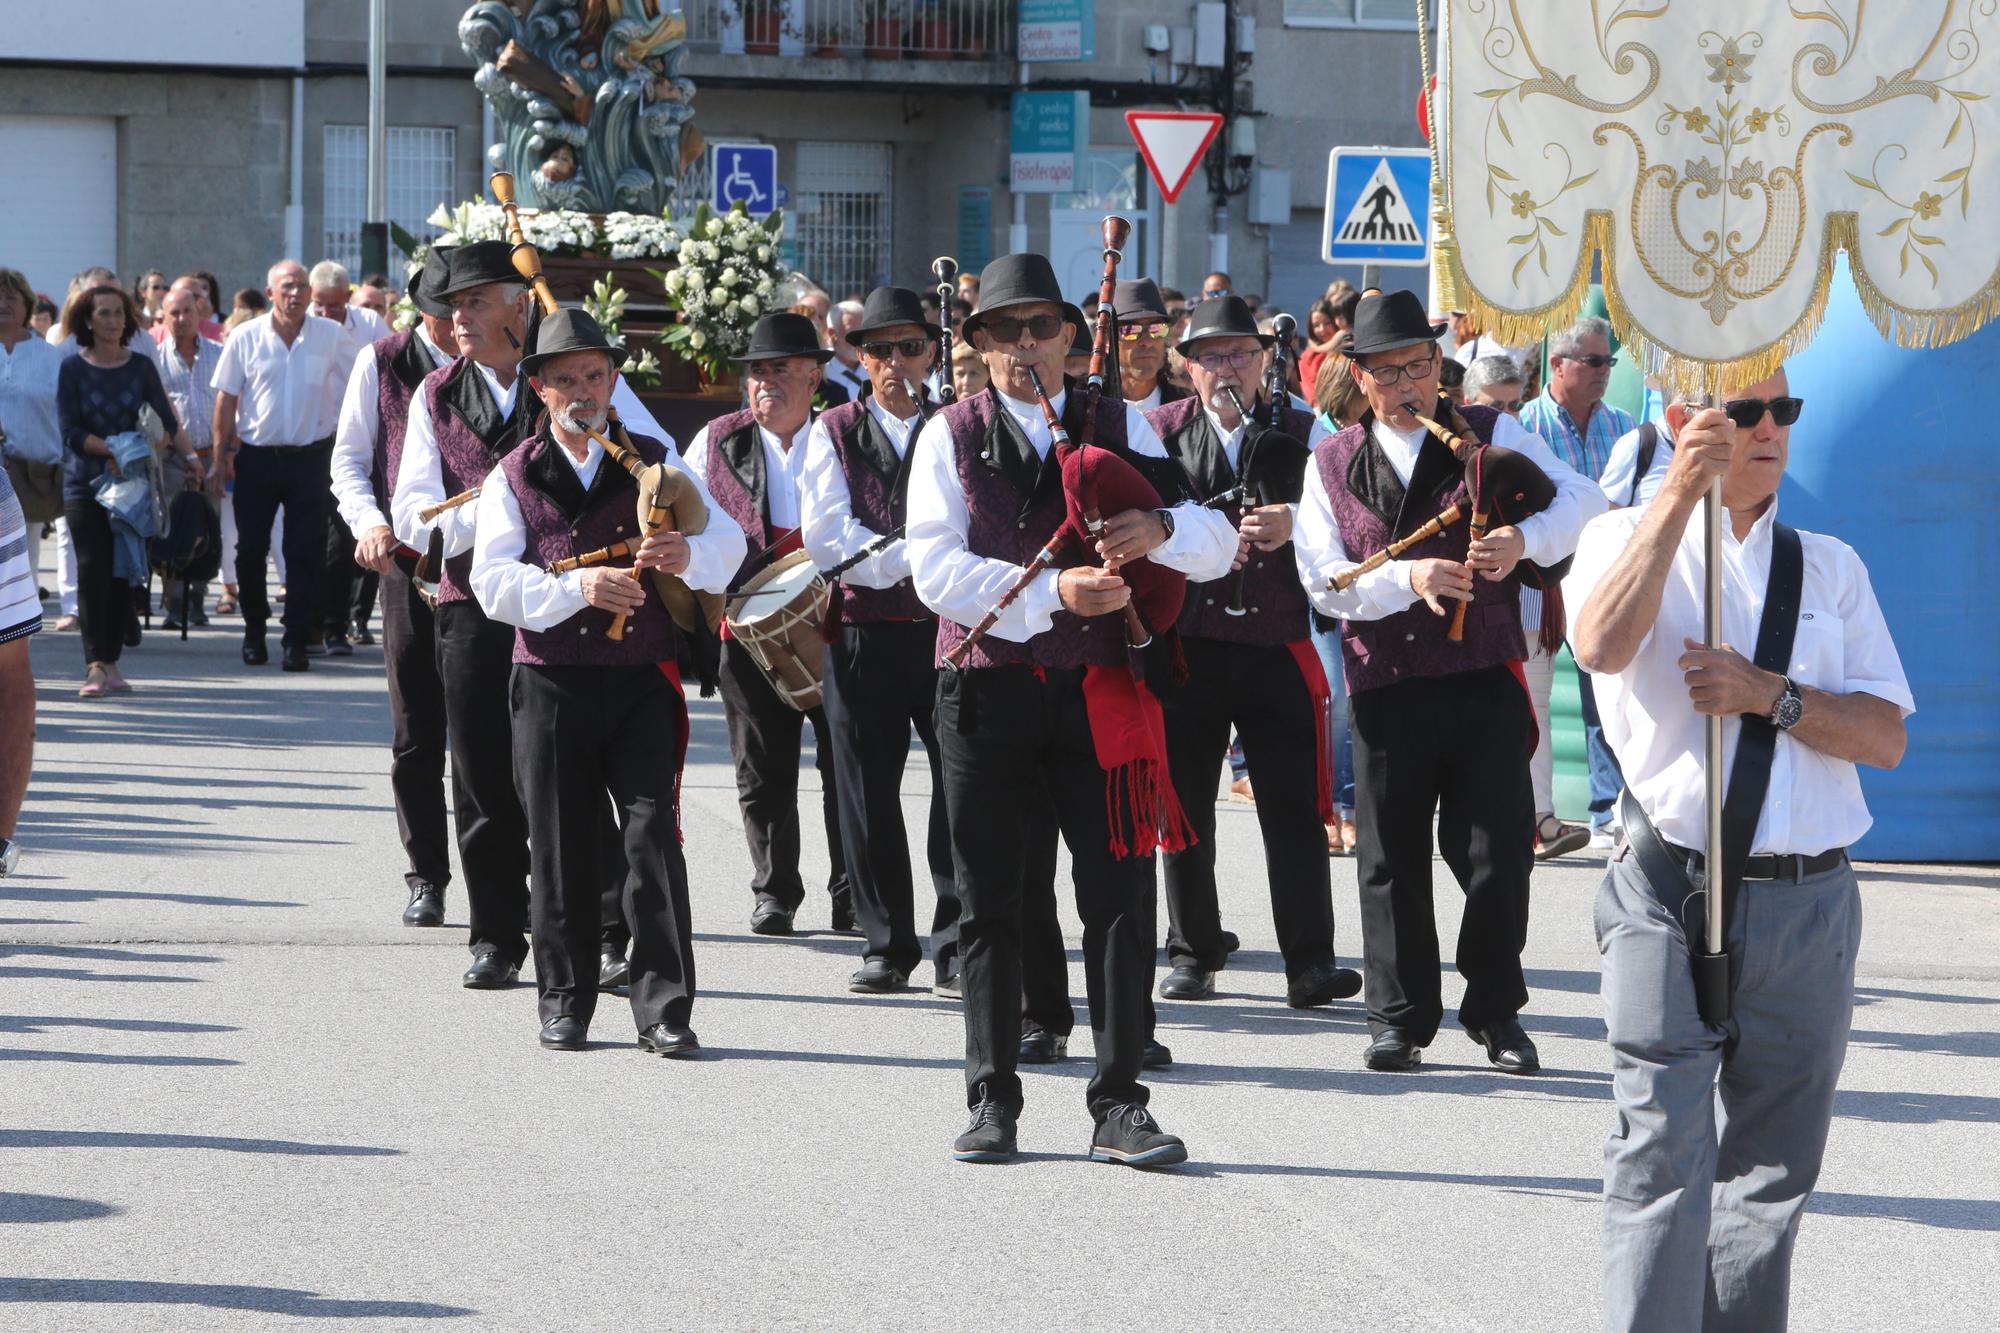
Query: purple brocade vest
{"type": "Point", "coordinates": [1275, 607]}
{"type": "Point", "coordinates": [1010, 521]}
{"type": "Point", "coordinates": [396, 359]}
{"type": "Point", "coordinates": [464, 458]}
{"type": "Point", "coordinates": [1412, 643]}
{"type": "Point", "coordinates": [734, 436]}
{"type": "Point", "coordinates": [610, 514]}
{"type": "Point", "coordinates": [876, 498]}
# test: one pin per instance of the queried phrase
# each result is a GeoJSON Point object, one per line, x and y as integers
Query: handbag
{"type": "Point", "coordinates": [38, 486]}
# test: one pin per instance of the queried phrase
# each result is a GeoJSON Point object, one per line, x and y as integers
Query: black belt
{"type": "Point", "coordinates": [1790, 869]}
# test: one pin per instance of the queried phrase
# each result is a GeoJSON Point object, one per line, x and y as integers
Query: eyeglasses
{"type": "Point", "coordinates": [1238, 360]}
{"type": "Point", "coordinates": [1210, 293]}
{"type": "Point", "coordinates": [1132, 333]}
{"type": "Point", "coordinates": [1747, 412]}
{"type": "Point", "coordinates": [1511, 406]}
{"type": "Point", "coordinates": [1006, 329]}
{"type": "Point", "coordinates": [1594, 361]}
{"type": "Point", "coordinates": [1412, 371]}
{"type": "Point", "coordinates": [910, 347]}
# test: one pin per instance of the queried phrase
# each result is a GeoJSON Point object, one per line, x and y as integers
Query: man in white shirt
{"type": "Point", "coordinates": [1722, 1122]}
{"type": "Point", "coordinates": [596, 700]}
{"type": "Point", "coordinates": [1441, 728]}
{"type": "Point", "coordinates": [1047, 700]}
{"type": "Point", "coordinates": [880, 673]}
{"type": "Point", "coordinates": [349, 590]}
{"type": "Point", "coordinates": [1638, 464]}
{"type": "Point", "coordinates": [187, 364]}
{"type": "Point", "coordinates": [276, 405]}
{"type": "Point", "coordinates": [751, 461]}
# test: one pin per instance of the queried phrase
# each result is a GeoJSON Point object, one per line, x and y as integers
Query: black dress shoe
{"type": "Point", "coordinates": [1039, 1046]}
{"type": "Point", "coordinates": [1130, 1136]}
{"type": "Point", "coordinates": [564, 1032]}
{"type": "Point", "coordinates": [363, 637]}
{"type": "Point", "coordinates": [990, 1137]}
{"type": "Point", "coordinates": [1320, 983]}
{"type": "Point", "coordinates": [674, 1042]}
{"type": "Point", "coordinates": [1507, 1046]}
{"type": "Point", "coordinates": [612, 970]}
{"type": "Point", "coordinates": [1393, 1052]}
{"type": "Point", "coordinates": [877, 977]}
{"type": "Point", "coordinates": [843, 913]}
{"type": "Point", "coordinates": [295, 658]}
{"type": "Point", "coordinates": [489, 971]}
{"type": "Point", "coordinates": [768, 918]}
{"type": "Point", "coordinates": [947, 982]}
{"type": "Point", "coordinates": [1230, 944]}
{"type": "Point", "coordinates": [1155, 1056]}
{"type": "Point", "coordinates": [255, 652]}
{"type": "Point", "coordinates": [426, 906]}
{"type": "Point", "coordinates": [1188, 982]}
{"type": "Point", "coordinates": [339, 645]}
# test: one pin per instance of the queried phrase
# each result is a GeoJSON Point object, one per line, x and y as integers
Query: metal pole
{"type": "Point", "coordinates": [375, 231]}
{"type": "Point", "coordinates": [1711, 623]}
{"type": "Point", "coordinates": [1371, 276]}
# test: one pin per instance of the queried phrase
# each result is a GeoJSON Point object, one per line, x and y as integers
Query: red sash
{"type": "Point", "coordinates": [1314, 672]}
{"type": "Point", "coordinates": [1129, 733]}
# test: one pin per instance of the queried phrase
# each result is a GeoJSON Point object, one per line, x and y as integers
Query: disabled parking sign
{"type": "Point", "coordinates": [1378, 204]}
{"type": "Point", "coordinates": [745, 173]}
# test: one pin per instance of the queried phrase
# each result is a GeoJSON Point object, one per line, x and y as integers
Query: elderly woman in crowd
{"type": "Point", "coordinates": [968, 370]}
{"type": "Point", "coordinates": [33, 441]}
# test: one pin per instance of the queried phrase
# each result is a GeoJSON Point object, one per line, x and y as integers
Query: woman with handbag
{"type": "Point", "coordinates": [30, 439]}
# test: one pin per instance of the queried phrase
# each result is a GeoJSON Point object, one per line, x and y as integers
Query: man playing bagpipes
{"type": "Point", "coordinates": [1251, 667]}
{"type": "Point", "coordinates": [1443, 725]}
{"type": "Point", "coordinates": [1048, 699]}
{"type": "Point", "coordinates": [880, 672]}
{"type": "Point", "coordinates": [595, 694]}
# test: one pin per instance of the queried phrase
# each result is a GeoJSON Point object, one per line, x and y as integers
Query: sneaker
{"type": "Point", "coordinates": [1606, 837]}
{"type": "Point", "coordinates": [990, 1136]}
{"type": "Point", "coordinates": [1130, 1136]}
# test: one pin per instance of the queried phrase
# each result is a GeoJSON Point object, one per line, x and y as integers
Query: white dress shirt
{"type": "Point", "coordinates": [961, 586]}
{"type": "Point", "coordinates": [784, 462]}
{"type": "Point", "coordinates": [1546, 537]}
{"type": "Point", "coordinates": [28, 400]}
{"type": "Point", "coordinates": [1814, 803]}
{"type": "Point", "coordinates": [355, 439]}
{"type": "Point", "coordinates": [511, 590]}
{"type": "Point", "coordinates": [362, 327]}
{"type": "Point", "coordinates": [1150, 401]}
{"type": "Point", "coordinates": [287, 393]}
{"type": "Point", "coordinates": [1624, 461]}
{"type": "Point", "coordinates": [832, 532]}
{"type": "Point", "coordinates": [851, 378]}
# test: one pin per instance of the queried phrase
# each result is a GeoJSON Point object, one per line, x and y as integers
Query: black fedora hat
{"type": "Point", "coordinates": [1015, 280]}
{"type": "Point", "coordinates": [1222, 317]}
{"type": "Point", "coordinates": [784, 334]}
{"type": "Point", "coordinates": [1138, 301]}
{"type": "Point", "coordinates": [1386, 322]}
{"type": "Point", "coordinates": [567, 331]}
{"type": "Point", "coordinates": [887, 307]}
{"type": "Point", "coordinates": [478, 264]}
{"type": "Point", "coordinates": [424, 283]}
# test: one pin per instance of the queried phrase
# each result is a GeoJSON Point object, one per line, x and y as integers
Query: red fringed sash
{"type": "Point", "coordinates": [1534, 723]}
{"type": "Point", "coordinates": [1130, 734]}
{"type": "Point", "coordinates": [1314, 671]}
{"type": "Point", "coordinates": [672, 671]}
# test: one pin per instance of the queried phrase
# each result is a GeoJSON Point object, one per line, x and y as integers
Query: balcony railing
{"type": "Point", "coordinates": [853, 29]}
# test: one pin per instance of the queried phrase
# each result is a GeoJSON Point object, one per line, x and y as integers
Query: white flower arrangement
{"type": "Point", "coordinates": [728, 272]}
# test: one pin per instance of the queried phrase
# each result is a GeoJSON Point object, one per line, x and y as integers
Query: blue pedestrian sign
{"type": "Point", "coordinates": [745, 173]}
{"type": "Point", "coordinates": [1378, 206]}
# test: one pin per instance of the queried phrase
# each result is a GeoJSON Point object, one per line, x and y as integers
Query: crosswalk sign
{"type": "Point", "coordinates": [1378, 204]}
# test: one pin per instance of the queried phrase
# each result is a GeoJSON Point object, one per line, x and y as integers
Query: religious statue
{"type": "Point", "coordinates": [590, 94]}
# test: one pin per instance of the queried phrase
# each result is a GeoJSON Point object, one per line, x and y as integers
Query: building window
{"type": "Point", "coordinates": [1355, 13]}
{"type": "Point", "coordinates": [421, 171]}
{"type": "Point", "coordinates": [844, 213]}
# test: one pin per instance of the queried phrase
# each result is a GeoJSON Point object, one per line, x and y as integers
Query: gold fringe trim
{"type": "Point", "coordinates": [1684, 373]}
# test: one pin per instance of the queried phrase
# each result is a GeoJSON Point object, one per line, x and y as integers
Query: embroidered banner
{"type": "Point", "coordinates": [1717, 154]}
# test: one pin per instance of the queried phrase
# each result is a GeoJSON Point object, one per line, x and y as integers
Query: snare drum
{"type": "Point", "coordinates": [776, 617]}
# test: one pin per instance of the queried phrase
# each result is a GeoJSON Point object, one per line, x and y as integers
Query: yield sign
{"type": "Point", "coordinates": [1172, 143]}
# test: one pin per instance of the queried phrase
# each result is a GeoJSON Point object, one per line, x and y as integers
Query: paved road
{"type": "Point", "coordinates": [238, 1095]}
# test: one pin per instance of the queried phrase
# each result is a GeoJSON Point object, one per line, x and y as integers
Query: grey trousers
{"type": "Point", "coordinates": [1721, 1131]}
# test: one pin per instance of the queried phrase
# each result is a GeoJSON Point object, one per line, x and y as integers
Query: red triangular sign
{"type": "Point", "coordinates": [1172, 143]}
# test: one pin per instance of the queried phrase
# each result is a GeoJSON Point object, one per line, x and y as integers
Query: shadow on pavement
{"type": "Point", "coordinates": [1916, 1108]}
{"type": "Point", "coordinates": [25, 1025]}
{"type": "Point", "coordinates": [12, 1053]}
{"type": "Point", "coordinates": [97, 1138]}
{"type": "Point", "coordinates": [50, 1208]}
{"type": "Point", "coordinates": [103, 955]}
{"type": "Point", "coordinates": [1870, 994]}
{"type": "Point", "coordinates": [1984, 1045]}
{"type": "Point", "coordinates": [21, 891]}
{"type": "Point", "coordinates": [77, 974]}
{"type": "Point", "coordinates": [216, 1296]}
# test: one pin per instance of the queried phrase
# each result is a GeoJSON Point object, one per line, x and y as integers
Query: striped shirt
{"type": "Point", "coordinates": [1585, 450]}
{"type": "Point", "coordinates": [20, 604]}
{"type": "Point", "coordinates": [191, 388]}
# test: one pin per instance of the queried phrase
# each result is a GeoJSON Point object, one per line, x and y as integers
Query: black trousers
{"type": "Point", "coordinates": [1005, 733]}
{"type": "Point", "coordinates": [339, 575]}
{"type": "Point", "coordinates": [1044, 956]}
{"type": "Point", "coordinates": [880, 682]}
{"type": "Point", "coordinates": [1456, 746]}
{"type": "Point", "coordinates": [475, 659]}
{"type": "Point", "coordinates": [417, 727]}
{"type": "Point", "coordinates": [1259, 692]}
{"type": "Point", "coordinates": [103, 602]}
{"type": "Point", "coordinates": [582, 734]}
{"type": "Point", "coordinates": [295, 480]}
{"type": "Point", "coordinates": [764, 739]}
{"type": "Point", "coordinates": [366, 589]}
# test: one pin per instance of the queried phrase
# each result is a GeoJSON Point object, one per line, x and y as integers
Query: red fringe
{"type": "Point", "coordinates": [1128, 731]}
{"type": "Point", "coordinates": [1314, 672]}
{"type": "Point", "coordinates": [1554, 619]}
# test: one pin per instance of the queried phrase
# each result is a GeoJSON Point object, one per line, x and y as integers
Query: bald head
{"type": "Point", "coordinates": [288, 289]}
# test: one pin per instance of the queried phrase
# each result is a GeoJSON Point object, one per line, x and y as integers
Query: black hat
{"type": "Point", "coordinates": [785, 334]}
{"type": "Point", "coordinates": [425, 282]}
{"type": "Point", "coordinates": [1387, 322]}
{"type": "Point", "coordinates": [1138, 301]}
{"type": "Point", "coordinates": [477, 264]}
{"type": "Point", "coordinates": [1024, 279]}
{"type": "Point", "coordinates": [887, 307]}
{"type": "Point", "coordinates": [1222, 317]}
{"type": "Point", "coordinates": [567, 331]}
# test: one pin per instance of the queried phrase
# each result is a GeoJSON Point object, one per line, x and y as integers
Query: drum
{"type": "Point", "coordinates": [776, 617]}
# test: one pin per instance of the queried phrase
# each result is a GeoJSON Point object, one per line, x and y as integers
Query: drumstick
{"type": "Point", "coordinates": [1345, 578]}
{"type": "Point", "coordinates": [430, 512]}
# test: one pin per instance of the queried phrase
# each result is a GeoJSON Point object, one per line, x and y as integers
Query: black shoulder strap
{"type": "Point", "coordinates": [1750, 775]}
{"type": "Point", "coordinates": [1649, 444]}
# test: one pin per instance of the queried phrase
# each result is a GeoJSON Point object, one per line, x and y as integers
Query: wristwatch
{"type": "Point", "coordinates": [1166, 522]}
{"type": "Point", "coordinates": [10, 856]}
{"type": "Point", "coordinates": [1791, 704]}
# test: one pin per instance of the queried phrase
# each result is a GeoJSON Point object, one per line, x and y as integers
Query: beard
{"type": "Point", "coordinates": [580, 417]}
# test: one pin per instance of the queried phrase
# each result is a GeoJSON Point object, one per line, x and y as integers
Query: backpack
{"type": "Point", "coordinates": [1649, 443]}
{"type": "Point", "coordinates": [191, 547]}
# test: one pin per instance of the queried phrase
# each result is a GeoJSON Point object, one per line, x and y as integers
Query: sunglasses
{"type": "Point", "coordinates": [1007, 330]}
{"type": "Point", "coordinates": [909, 347]}
{"type": "Point", "coordinates": [1747, 412]}
{"type": "Point", "coordinates": [1210, 293]}
{"type": "Point", "coordinates": [1133, 333]}
{"type": "Point", "coordinates": [1594, 361]}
